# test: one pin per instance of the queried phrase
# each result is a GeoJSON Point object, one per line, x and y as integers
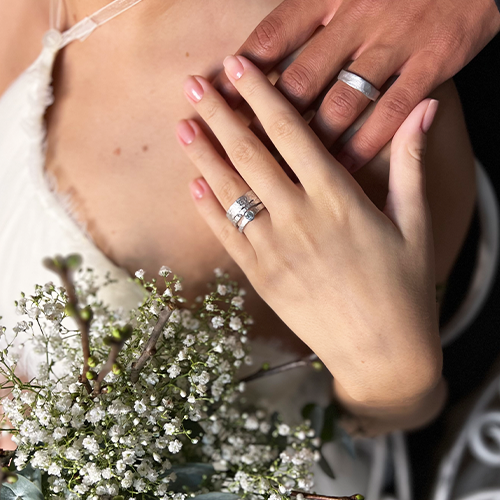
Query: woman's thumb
{"type": "Point", "coordinates": [406, 202]}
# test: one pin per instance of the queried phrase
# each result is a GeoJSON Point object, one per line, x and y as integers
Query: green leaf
{"type": "Point", "coordinates": [217, 495]}
{"type": "Point", "coordinates": [189, 476]}
{"type": "Point", "coordinates": [32, 474]}
{"type": "Point", "coordinates": [329, 418]}
{"type": "Point", "coordinates": [22, 489]}
{"type": "Point", "coordinates": [325, 466]}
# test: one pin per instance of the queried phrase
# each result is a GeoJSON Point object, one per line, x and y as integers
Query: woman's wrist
{"type": "Point", "coordinates": [365, 420]}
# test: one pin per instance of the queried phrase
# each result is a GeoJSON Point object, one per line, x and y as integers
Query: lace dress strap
{"type": "Point", "coordinates": [82, 29]}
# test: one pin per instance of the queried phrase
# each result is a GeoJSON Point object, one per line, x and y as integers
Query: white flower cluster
{"type": "Point", "coordinates": [133, 439]}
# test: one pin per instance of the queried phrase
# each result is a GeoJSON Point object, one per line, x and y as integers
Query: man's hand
{"type": "Point", "coordinates": [425, 42]}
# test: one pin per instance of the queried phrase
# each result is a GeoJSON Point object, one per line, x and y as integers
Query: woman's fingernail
{"type": "Point", "coordinates": [429, 115]}
{"type": "Point", "coordinates": [234, 68]}
{"type": "Point", "coordinates": [346, 161]}
{"type": "Point", "coordinates": [185, 132]}
{"type": "Point", "coordinates": [193, 89]}
{"type": "Point", "coordinates": [198, 189]}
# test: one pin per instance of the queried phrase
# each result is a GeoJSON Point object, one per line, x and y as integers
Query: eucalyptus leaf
{"type": "Point", "coordinates": [330, 416]}
{"type": "Point", "coordinates": [189, 476]}
{"type": "Point", "coordinates": [217, 495]}
{"type": "Point", "coordinates": [32, 474]}
{"type": "Point", "coordinates": [325, 466]}
{"type": "Point", "coordinates": [22, 489]}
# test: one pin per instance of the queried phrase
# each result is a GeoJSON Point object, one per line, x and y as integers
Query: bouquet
{"type": "Point", "coordinates": [142, 404]}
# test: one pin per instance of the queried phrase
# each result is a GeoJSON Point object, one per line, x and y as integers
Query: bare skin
{"type": "Point", "coordinates": [112, 146]}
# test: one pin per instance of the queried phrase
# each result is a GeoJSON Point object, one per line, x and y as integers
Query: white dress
{"type": "Point", "coordinates": [36, 223]}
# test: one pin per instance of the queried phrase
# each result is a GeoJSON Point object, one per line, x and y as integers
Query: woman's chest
{"type": "Point", "coordinates": [112, 147]}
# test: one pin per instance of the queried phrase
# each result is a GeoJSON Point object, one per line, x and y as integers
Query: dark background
{"type": "Point", "coordinates": [469, 360]}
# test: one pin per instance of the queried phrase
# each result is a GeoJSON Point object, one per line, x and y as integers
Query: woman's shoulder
{"type": "Point", "coordinates": [22, 25]}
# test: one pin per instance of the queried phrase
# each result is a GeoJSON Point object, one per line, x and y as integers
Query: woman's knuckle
{"type": "Point", "coordinates": [244, 150]}
{"type": "Point", "coordinates": [283, 127]}
{"type": "Point", "coordinates": [198, 155]}
{"type": "Point", "coordinates": [211, 110]}
{"type": "Point", "coordinates": [227, 191]}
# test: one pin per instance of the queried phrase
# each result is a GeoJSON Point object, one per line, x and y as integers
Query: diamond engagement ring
{"type": "Point", "coordinates": [249, 216]}
{"type": "Point", "coordinates": [358, 83]}
{"type": "Point", "coordinates": [244, 203]}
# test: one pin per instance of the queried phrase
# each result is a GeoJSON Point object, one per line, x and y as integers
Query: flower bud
{"type": "Point", "coordinates": [86, 313]}
{"type": "Point", "coordinates": [117, 369]}
{"type": "Point", "coordinates": [73, 261]}
{"type": "Point", "coordinates": [317, 365]}
{"type": "Point", "coordinates": [91, 375]}
{"type": "Point", "coordinates": [92, 362]}
{"type": "Point", "coordinates": [11, 479]}
{"type": "Point", "coordinates": [70, 310]}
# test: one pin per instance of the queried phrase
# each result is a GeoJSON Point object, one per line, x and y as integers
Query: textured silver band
{"type": "Point", "coordinates": [250, 216]}
{"type": "Point", "coordinates": [358, 83]}
{"type": "Point", "coordinates": [238, 209]}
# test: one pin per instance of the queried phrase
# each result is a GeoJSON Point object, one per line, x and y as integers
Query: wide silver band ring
{"type": "Point", "coordinates": [250, 216]}
{"type": "Point", "coordinates": [358, 83]}
{"type": "Point", "coordinates": [244, 203]}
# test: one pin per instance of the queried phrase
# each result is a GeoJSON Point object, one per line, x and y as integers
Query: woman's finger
{"type": "Point", "coordinates": [224, 181]}
{"type": "Point", "coordinates": [406, 202]}
{"type": "Point", "coordinates": [248, 155]}
{"type": "Point", "coordinates": [289, 132]}
{"type": "Point", "coordinates": [236, 244]}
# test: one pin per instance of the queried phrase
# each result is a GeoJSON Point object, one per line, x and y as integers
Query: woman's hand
{"type": "Point", "coordinates": [354, 283]}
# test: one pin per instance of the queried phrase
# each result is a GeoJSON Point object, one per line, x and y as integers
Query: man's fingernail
{"type": "Point", "coordinates": [234, 68]}
{"type": "Point", "coordinates": [193, 89]}
{"type": "Point", "coordinates": [197, 189]}
{"type": "Point", "coordinates": [346, 161]}
{"type": "Point", "coordinates": [429, 115]}
{"type": "Point", "coordinates": [185, 132]}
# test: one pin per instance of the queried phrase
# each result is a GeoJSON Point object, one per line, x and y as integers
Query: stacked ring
{"type": "Point", "coordinates": [237, 210]}
{"type": "Point", "coordinates": [250, 216]}
{"type": "Point", "coordinates": [244, 210]}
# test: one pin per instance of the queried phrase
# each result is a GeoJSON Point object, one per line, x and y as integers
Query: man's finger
{"type": "Point", "coordinates": [317, 65]}
{"type": "Point", "coordinates": [284, 30]}
{"type": "Point", "coordinates": [343, 104]}
{"type": "Point", "coordinates": [414, 84]}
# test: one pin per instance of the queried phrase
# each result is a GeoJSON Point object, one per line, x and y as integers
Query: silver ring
{"type": "Point", "coordinates": [358, 83]}
{"type": "Point", "coordinates": [237, 210]}
{"type": "Point", "coordinates": [249, 216]}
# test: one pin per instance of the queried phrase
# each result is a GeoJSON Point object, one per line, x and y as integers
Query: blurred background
{"type": "Point", "coordinates": [475, 356]}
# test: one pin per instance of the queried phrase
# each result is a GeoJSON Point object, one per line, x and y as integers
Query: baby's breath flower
{"type": "Point", "coordinates": [127, 439]}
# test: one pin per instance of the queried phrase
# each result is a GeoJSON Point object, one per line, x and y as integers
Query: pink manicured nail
{"type": "Point", "coordinates": [198, 189]}
{"type": "Point", "coordinates": [234, 68]}
{"type": "Point", "coordinates": [429, 115]}
{"type": "Point", "coordinates": [185, 132]}
{"type": "Point", "coordinates": [193, 89]}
